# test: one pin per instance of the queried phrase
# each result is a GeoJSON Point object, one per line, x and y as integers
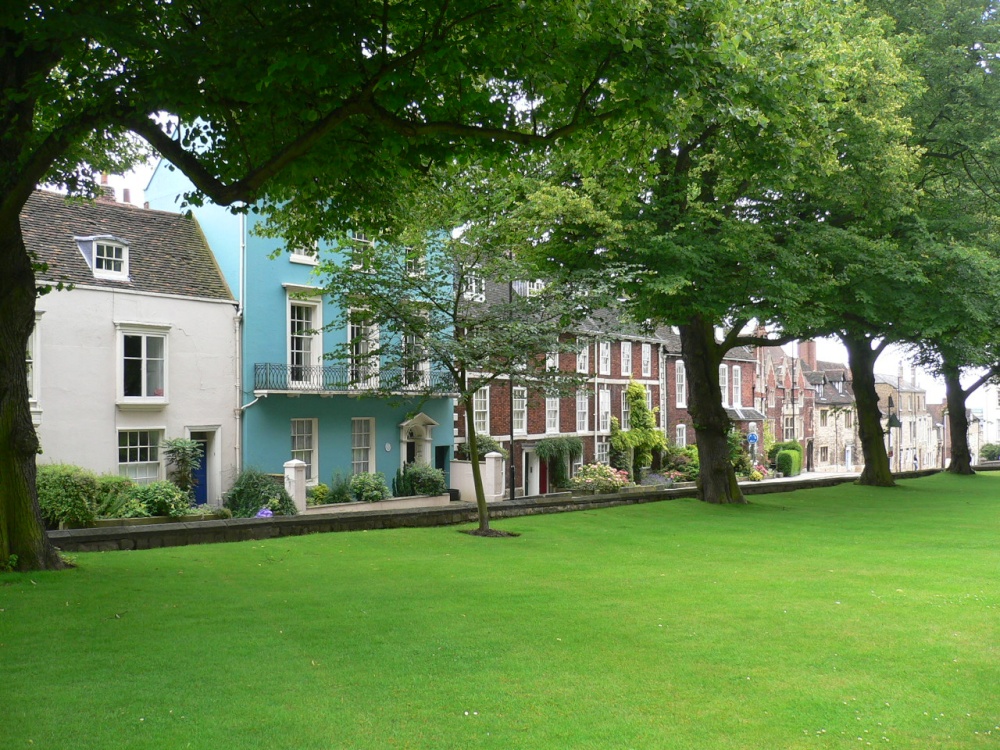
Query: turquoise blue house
{"type": "Point", "coordinates": [294, 401]}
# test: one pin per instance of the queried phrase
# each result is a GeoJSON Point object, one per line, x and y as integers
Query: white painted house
{"type": "Point", "coordinates": [140, 349]}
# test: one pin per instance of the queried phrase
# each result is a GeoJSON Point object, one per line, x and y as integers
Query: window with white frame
{"type": "Point", "coordinates": [583, 356]}
{"type": "Point", "coordinates": [362, 445]}
{"type": "Point", "coordinates": [771, 398]}
{"type": "Point", "coordinates": [139, 455]}
{"type": "Point", "coordinates": [416, 367]}
{"type": "Point", "coordinates": [305, 255]}
{"type": "Point", "coordinates": [143, 361]}
{"type": "Point", "coordinates": [724, 383]}
{"type": "Point", "coordinates": [737, 386]}
{"type": "Point", "coordinates": [520, 410]}
{"type": "Point", "coordinates": [627, 358]}
{"type": "Point", "coordinates": [649, 399]}
{"type": "Point", "coordinates": [824, 454]}
{"type": "Point", "coordinates": [481, 411]}
{"type": "Point", "coordinates": [647, 360]}
{"type": "Point", "coordinates": [575, 465]}
{"type": "Point", "coordinates": [529, 288]}
{"type": "Point", "coordinates": [362, 250]}
{"type": "Point", "coordinates": [601, 451]}
{"type": "Point", "coordinates": [362, 338]}
{"type": "Point", "coordinates": [305, 447]}
{"type": "Point", "coordinates": [789, 428]}
{"type": "Point", "coordinates": [552, 414]}
{"type": "Point", "coordinates": [604, 410]}
{"type": "Point", "coordinates": [416, 261]}
{"type": "Point", "coordinates": [823, 417]}
{"type": "Point", "coordinates": [849, 419]}
{"type": "Point", "coordinates": [305, 341]}
{"type": "Point", "coordinates": [110, 260]}
{"type": "Point", "coordinates": [680, 435]}
{"type": "Point", "coordinates": [680, 384]}
{"type": "Point", "coordinates": [605, 358]}
{"type": "Point", "coordinates": [473, 286]}
{"type": "Point", "coordinates": [552, 361]}
{"type": "Point", "coordinates": [582, 411]}
{"type": "Point", "coordinates": [106, 256]}
{"type": "Point", "coordinates": [31, 363]}
{"type": "Point", "coordinates": [626, 412]}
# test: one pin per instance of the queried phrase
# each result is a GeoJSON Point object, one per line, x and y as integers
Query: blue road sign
{"type": "Point", "coordinates": [752, 438]}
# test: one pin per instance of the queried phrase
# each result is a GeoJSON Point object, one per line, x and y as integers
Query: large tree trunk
{"type": "Point", "coordinates": [877, 472]}
{"type": "Point", "coordinates": [702, 357]}
{"type": "Point", "coordinates": [958, 421]}
{"type": "Point", "coordinates": [21, 531]}
{"type": "Point", "coordinates": [468, 400]}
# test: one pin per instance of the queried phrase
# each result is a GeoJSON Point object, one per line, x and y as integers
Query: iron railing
{"type": "Point", "coordinates": [273, 376]}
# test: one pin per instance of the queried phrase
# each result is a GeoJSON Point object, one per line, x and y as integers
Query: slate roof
{"type": "Point", "coordinates": [168, 253]}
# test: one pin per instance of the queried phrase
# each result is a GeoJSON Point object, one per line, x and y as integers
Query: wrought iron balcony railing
{"type": "Point", "coordinates": [350, 379]}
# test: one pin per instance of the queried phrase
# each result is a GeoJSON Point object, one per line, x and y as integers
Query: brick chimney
{"type": "Point", "coordinates": [105, 192]}
{"type": "Point", "coordinates": [807, 352]}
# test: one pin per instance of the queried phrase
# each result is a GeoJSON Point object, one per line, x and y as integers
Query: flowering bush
{"type": "Point", "coordinates": [600, 478]}
{"type": "Point", "coordinates": [370, 487]}
{"type": "Point", "coordinates": [265, 513]}
{"type": "Point", "coordinates": [756, 476]}
{"type": "Point", "coordinates": [762, 470]}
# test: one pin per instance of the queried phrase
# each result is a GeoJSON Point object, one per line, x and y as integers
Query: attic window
{"type": "Point", "coordinates": [107, 256]}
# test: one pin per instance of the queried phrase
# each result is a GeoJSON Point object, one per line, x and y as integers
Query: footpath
{"type": "Point", "coordinates": [245, 529]}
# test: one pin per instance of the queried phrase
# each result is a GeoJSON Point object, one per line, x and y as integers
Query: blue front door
{"type": "Point", "coordinates": [201, 475]}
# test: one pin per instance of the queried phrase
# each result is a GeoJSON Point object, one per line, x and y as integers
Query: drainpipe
{"type": "Point", "coordinates": [238, 327]}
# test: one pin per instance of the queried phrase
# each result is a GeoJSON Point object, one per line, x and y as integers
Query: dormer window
{"type": "Point", "coordinates": [107, 256]}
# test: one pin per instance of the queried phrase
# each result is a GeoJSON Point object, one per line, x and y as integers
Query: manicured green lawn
{"type": "Point", "coordinates": [832, 618]}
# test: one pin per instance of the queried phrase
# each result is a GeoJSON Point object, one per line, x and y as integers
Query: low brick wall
{"type": "Point", "coordinates": [246, 529]}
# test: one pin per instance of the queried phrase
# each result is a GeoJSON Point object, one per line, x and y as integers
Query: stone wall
{"type": "Point", "coordinates": [246, 529]}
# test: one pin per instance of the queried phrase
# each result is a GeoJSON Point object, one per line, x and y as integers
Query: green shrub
{"type": "Point", "coordinates": [789, 462]}
{"type": "Point", "coordinates": [989, 452]}
{"type": "Point", "coordinates": [66, 494]}
{"type": "Point", "coordinates": [340, 488]}
{"type": "Point", "coordinates": [419, 479]}
{"type": "Point", "coordinates": [161, 499]}
{"type": "Point", "coordinates": [133, 507]}
{"type": "Point", "coordinates": [317, 495]}
{"type": "Point", "coordinates": [788, 445]}
{"type": "Point", "coordinates": [112, 495]}
{"type": "Point", "coordinates": [183, 456]}
{"type": "Point", "coordinates": [370, 487]}
{"type": "Point", "coordinates": [254, 490]}
{"type": "Point", "coordinates": [683, 460]}
{"type": "Point", "coordinates": [739, 456]}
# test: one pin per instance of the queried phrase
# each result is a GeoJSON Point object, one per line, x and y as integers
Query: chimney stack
{"type": "Point", "coordinates": [807, 352]}
{"type": "Point", "coordinates": [126, 196]}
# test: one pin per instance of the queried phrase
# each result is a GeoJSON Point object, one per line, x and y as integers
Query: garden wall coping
{"type": "Point", "coordinates": [245, 529]}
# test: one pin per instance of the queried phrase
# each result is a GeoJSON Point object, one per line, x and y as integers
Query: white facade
{"type": "Point", "coordinates": [82, 414]}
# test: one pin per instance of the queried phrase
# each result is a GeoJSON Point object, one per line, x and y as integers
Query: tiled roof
{"type": "Point", "coordinates": [167, 252]}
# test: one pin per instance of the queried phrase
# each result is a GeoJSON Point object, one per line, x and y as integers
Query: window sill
{"type": "Point", "coordinates": [142, 404]}
{"type": "Point", "coordinates": [36, 414]}
{"type": "Point", "coordinates": [305, 260]}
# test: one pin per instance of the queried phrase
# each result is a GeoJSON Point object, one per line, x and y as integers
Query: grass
{"type": "Point", "coordinates": [834, 618]}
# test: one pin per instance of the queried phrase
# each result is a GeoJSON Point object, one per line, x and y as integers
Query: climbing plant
{"type": "Point", "coordinates": [633, 448]}
{"type": "Point", "coordinates": [558, 453]}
